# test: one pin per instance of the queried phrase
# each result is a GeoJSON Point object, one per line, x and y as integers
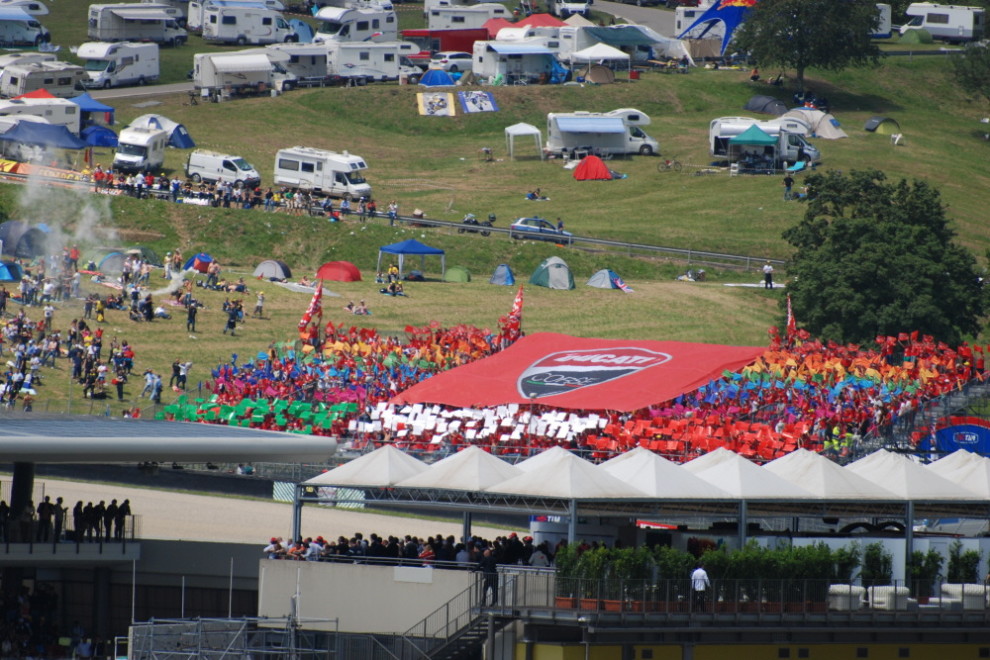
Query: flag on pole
{"type": "Point", "coordinates": [791, 322]}
{"type": "Point", "coordinates": [313, 312]}
{"type": "Point", "coordinates": [512, 324]}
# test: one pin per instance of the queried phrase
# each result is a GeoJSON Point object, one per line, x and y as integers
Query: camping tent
{"type": "Point", "coordinates": [882, 125]}
{"type": "Point", "coordinates": [520, 130]}
{"type": "Point", "coordinates": [553, 273]}
{"type": "Point", "coordinates": [822, 124]}
{"type": "Point", "coordinates": [457, 274]}
{"type": "Point", "coordinates": [304, 31]}
{"type": "Point", "coordinates": [112, 263]}
{"type": "Point", "coordinates": [766, 105]}
{"type": "Point", "coordinates": [598, 74]}
{"type": "Point", "coordinates": [88, 105]}
{"type": "Point", "coordinates": [502, 276]}
{"type": "Point", "coordinates": [600, 53]}
{"type": "Point", "coordinates": [178, 135]}
{"type": "Point", "coordinates": [95, 135]}
{"type": "Point", "coordinates": [608, 279]}
{"type": "Point", "coordinates": [412, 247]}
{"type": "Point", "coordinates": [10, 272]}
{"type": "Point", "coordinates": [753, 136]}
{"type": "Point", "coordinates": [272, 269]}
{"type": "Point", "coordinates": [43, 135]}
{"type": "Point", "coordinates": [436, 78]}
{"type": "Point", "coordinates": [18, 239]}
{"type": "Point", "coordinates": [199, 262]}
{"type": "Point", "coordinates": [592, 168]}
{"type": "Point", "coordinates": [339, 271]}
{"type": "Point", "coordinates": [147, 254]}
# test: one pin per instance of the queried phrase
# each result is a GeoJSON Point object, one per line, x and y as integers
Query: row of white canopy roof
{"type": "Point", "coordinates": [721, 475]}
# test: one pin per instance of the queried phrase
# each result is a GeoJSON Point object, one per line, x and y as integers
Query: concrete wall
{"type": "Point", "coordinates": [371, 599]}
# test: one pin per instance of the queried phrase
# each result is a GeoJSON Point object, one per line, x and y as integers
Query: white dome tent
{"type": "Point", "coordinates": [523, 130]}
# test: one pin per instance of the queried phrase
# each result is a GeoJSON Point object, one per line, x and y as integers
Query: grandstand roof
{"type": "Point", "coordinates": [38, 438]}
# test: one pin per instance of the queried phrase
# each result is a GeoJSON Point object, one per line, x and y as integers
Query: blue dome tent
{"type": "Point", "coordinates": [502, 276]}
{"type": "Point", "coordinates": [21, 240]}
{"type": "Point", "coordinates": [10, 272]}
{"type": "Point", "coordinates": [436, 78]}
{"type": "Point", "coordinates": [199, 262]}
{"type": "Point", "coordinates": [178, 135]}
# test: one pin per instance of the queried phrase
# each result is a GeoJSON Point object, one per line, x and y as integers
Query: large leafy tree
{"type": "Point", "coordinates": [798, 34]}
{"type": "Point", "coordinates": [971, 69]}
{"type": "Point", "coordinates": [878, 258]}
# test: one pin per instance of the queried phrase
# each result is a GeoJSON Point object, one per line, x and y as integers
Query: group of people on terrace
{"type": "Point", "coordinates": [51, 521]}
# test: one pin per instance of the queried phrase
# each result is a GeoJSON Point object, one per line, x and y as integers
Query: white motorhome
{"type": "Point", "coordinates": [119, 64]}
{"type": "Point", "coordinates": [791, 134]}
{"type": "Point", "coordinates": [198, 8]}
{"type": "Point", "coordinates": [465, 17]}
{"type": "Point", "coordinates": [882, 30]}
{"type": "Point", "coordinates": [952, 23]}
{"type": "Point", "coordinates": [19, 28]}
{"type": "Point", "coordinates": [241, 72]}
{"type": "Point", "coordinates": [356, 24]}
{"type": "Point", "coordinates": [522, 59]}
{"type": "Point", "coordinates": [60, 112]}
{"type": "Point", "coordinates": [181, 5]}
{"type": "Point", "coordinates": [19, 57]}
{"type": "Point", "coordinates": [373, 60]}
{"type": "Point", "coordinates": [58, 78]}
{"type": "Point", "coordinates": [307, 63]}
{"type": "Point", "coordinates": [246, 25]}
{"type": "Point", "coordinates": [616, 132]}
{"type": "Point", "coordinates": [322, 172]}
{"type": "Point", "coordinates": [33, 7]}
{"type": "Point", "coordinates": [140, 150]}
{"type": "Point", "coordinates": [136, 22]}
{"type": "Point", "coordinates": [212, 167]}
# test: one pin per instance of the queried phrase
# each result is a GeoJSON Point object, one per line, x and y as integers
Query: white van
{"type": "Point", "coordinates": [111, 64]}
{"type": "Point", "coordinates": [19, 28]}
{"type": "Point", "coordinates": [322, 172]}
{"type": "Point", "coordinates": [361, 24]}
{"type": "Point", "coordinates": [140, 150]}
{"type": "Point", "coordinates": [212, 167]}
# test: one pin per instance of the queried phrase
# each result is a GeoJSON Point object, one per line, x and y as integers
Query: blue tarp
{"type": "Point", "coordinates": [98, 136]}
{"type": "Point", "coordinates": [729, 12]}
{"type": "Point", "coordinates": [436, 78]}
{"type": "Point", "coordinates": [591, 125]}
{"type": "Point", "coordinates": [43, 135]}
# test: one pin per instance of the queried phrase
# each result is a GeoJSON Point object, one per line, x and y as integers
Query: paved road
{"type": "Point", "coordinates": [661, 20]}
{"type": "Point", "coordinates": [136, 92]}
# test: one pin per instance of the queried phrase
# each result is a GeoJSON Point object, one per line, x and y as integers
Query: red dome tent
{"type": "Point", "coordinates": [339, 271]}
{"type": "Point", "coordinates": [592, 168]}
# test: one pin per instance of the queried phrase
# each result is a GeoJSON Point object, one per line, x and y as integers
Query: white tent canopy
{"type": "Point", "coordinates": [598, 53]}
{"type": "Point", "coordinates": [472, 469]}
{"type": "Point", "coordinates": [523, 130]}
{"type": "Point", "coordinates": [825, 478]}
{"type": "Point", "coordinates": [658, 477]}
{"type": "Point", "coordinates": [743, 479]}
{"type": "Point", "coordinates": [383, 467]}
{"type": "Point", "coordinates": [907, 479]}
{"type": "Point", "coordinates": [566, 476]}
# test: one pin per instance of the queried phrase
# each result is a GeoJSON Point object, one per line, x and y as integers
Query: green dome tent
{"type": "Point", "coordinates": [457, 274]}
{"type": "Point", "coordinates": [553, 273]}
{"type": "Point", "coordinates": [882, 125]}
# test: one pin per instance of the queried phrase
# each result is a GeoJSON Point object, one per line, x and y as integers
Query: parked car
{"type": "Point", "coordinates": [538, 229]}
{"type": "Point", "coordinates": [451, 60]}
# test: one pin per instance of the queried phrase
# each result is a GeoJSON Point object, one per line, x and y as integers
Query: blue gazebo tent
{"type": "Point", "coordinates": [88, 105]}
{"type": "Point", "coordinates": [412, 247]}
{"type": "Point", "coordinates": [42, 135]}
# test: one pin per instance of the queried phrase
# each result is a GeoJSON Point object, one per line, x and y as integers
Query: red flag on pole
{"type": "Point", "coordinates": [512, 324]}
{"type": "Point", "coordinates": [314, 311]}
{"type": "Point", "coordinates": [791, 322]}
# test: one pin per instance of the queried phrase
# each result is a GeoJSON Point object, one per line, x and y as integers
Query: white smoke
{"type": "Point", "coordinates": [75, 215]}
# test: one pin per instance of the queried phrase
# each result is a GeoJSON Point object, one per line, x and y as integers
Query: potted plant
{"type": "Point", "coordinates": [591, 569]}
{"type": "Point", "coordinates": [631, 571]}
{"type": "Point", "coordinates": [565, 579]}
{"type": "Point", "coordinates": [925, 568]}
{"type": "Point", "coordinates": [964, 567]}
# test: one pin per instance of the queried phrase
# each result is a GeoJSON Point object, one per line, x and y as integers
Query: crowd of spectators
{"type": "Point", "coordinates": [53, 522]}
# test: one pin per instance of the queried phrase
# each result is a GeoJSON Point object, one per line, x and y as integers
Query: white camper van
{"type": "Point", "coordinates": [952, 23]}
{"type": "Point", "coordinates": [141, 21]}
{"type": "Point", "coordinates": [360, 24]}
{"type": "Point", "coordinates": [212, 167]}
{"type": "Point", "coordinates": [110, 64]}
{"type": "Point", "coordinates": [19, 28]}
{"type": "Point", "coordinates": [791, 134]}
{"type": "Point", "coordinates": [372, 60]}
{"type": "Point", "coordinates": [58, 78]}
{"type": "Point", "coordinates": [197, 9]}
{"type": "Point", "coordinates": [60, 112]}
{"type": "Point", "coordinates": [465, 17]}
{"type": "Point", "coordinates": [615, 132]}
{"type": "Point", "coordinates": [246, 25]}
{"type": "Point", "coordinates": [322, 172]}
{"type": "Point", "coordinates": [140, 150]}
{"type": "Point", "coordinates": [33, 7]}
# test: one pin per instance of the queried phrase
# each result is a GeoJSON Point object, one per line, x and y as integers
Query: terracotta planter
{"type": "Point", "coordinates": [565, 602]}
{"type": "Point", "coordinates": [818, 606]}
{"type": "Point", "coordinates": [794, 607]}
{"type": "Point", "coordinates": [727, 607]}
{"type": "Point", "coordinates": [771, 608]}
{"type": "Point", "coordinates": [588, 603]}
{"type": "Point", "coordinates": [611, 605]}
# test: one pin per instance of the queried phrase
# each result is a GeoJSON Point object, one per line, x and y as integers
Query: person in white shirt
{"type": "Point", "coordinates": [699, 587]}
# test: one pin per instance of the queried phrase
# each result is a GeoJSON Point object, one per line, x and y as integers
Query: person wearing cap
{"type": "Point", "coordinates": [274, 549]}
{"type": "Point", "coordinates": [259, 305]}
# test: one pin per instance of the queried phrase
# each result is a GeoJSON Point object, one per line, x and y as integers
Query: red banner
{"type": "Point", "coordinates": [575, 372]}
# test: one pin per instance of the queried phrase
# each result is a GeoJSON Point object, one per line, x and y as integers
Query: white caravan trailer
{"type": "Point", "coordinates": [33, 7]}
{"type": "Point", "coordinates": [60, 112]}
{"type": "Point", "coordinates": [136, 22]}
{"type": "Point", "coordinates": [523, 59]}
{"type": "Point", "coordinates": [140, 150]}
{"type": "Point", "coordinates": [362, 24]}
{"type": "Point", "coordinates": [196, 9]}
{"type": "Point", "coordinates": [951, 23]}
{"type": "Point", "coordinates": [307, 63]}
{"type": "Point", "coordinates": [615, 132]}
{"type": "Point", "coordinates": [19, 28]}
{"type": "Point", "coordinates": [322, 172]}
{"type": "Point", "coordinates": [18, 57]}
{"type": "Point", "coordinates": [58, 78]}
{"type": "Point", "coordinates": [373, 60]}
{"type": "Point", "coordinates": [249, 71]}
{"type": "Point", "coordinates": [465, 17]}
{"type": "Point", "coordinates": [110, 64]}
{"type": "Point", "coordinates": [246, 25]}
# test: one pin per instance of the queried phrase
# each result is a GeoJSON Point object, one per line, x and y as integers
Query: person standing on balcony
{"type": "Point", "coordinates": [699, 588]}
{"type": "Point", "coordinates": [489, 571]}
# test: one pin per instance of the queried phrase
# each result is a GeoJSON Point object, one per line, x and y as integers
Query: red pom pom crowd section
{"type": "Point", "coordinates": [798, 393]}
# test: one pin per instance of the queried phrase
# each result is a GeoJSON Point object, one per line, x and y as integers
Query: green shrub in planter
{"type": "Point", "coordinates": [964, 567]}
{"type": "Point", "coordinates": [878, 566]}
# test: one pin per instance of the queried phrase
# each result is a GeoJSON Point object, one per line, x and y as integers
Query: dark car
{"type": "Point", "coordinates": [538, 229]}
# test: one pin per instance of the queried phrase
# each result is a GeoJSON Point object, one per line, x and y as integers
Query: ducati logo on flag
{"type": "Point", "coordinates": [566, 371]}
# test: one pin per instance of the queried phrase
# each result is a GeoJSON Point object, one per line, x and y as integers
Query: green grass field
{"type": "Point", "coordinates": [434, 164]}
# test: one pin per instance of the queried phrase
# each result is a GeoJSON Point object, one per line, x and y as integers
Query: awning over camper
{"type": "Point", "coordinates": [239, 63]}
{"type": "Point", "coordinates": [591, 125]}
{"type": "Point", "coordinates": [519, 49]}
{"type": "Point", "coordinates": [138, 14]}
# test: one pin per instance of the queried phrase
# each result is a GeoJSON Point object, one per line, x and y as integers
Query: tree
{"type": "Point", "coordinates": [971, 69]}
{"type": "Point", "coordinates": [798, 34]}
{"type": "Point", "coordinates": [876, 258]}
